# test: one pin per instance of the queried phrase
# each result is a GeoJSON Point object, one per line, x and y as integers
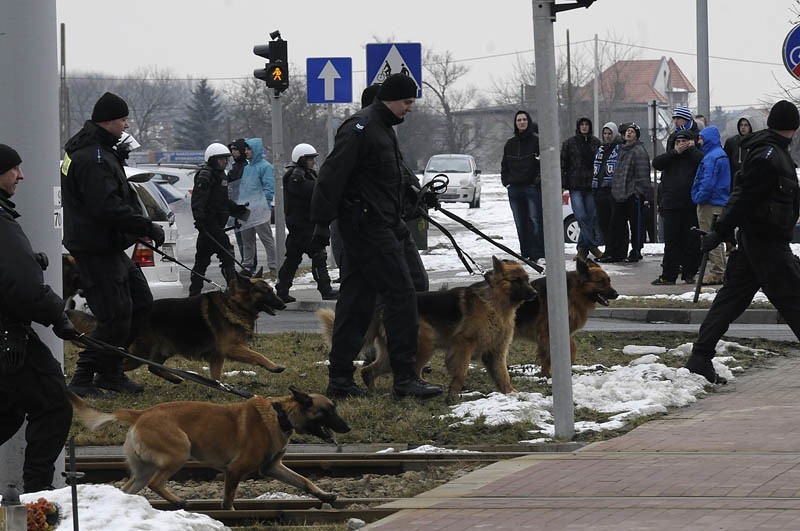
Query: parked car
{"type": "Point", "coordinates": [181, 176]}
{"type": "Point", "coordinates": [463, 175]}
{"type": "Point", "coordinates": [572, 230]}
{"type": "Point", "coordinates": [162, 275]}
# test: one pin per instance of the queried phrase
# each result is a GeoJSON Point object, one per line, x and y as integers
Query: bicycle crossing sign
{"type": "Point", "coordinates": [791, 52]}
{"type": "Point", "coordinates": [385, 59]}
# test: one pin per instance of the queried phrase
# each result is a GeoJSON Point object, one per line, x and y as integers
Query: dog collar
{"type": "Point", "coordinates": [283, 418]}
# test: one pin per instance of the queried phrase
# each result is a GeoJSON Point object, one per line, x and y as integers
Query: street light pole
{"type": "Point", "coordinates": [557, 315]}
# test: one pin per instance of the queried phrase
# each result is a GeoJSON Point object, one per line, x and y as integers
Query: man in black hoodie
{"type": "Point", "coordinates": [520, 173]}
{"type": "Point", "coordinates": [577, 170]}
{"type": "Point", "coordinates": [102, 218]}
{"type": "Point", "coordinates": [764, 206]}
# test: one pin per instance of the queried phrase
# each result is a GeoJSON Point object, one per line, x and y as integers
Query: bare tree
{"type": "Point", "coordinates": [154, 98]}
{"type": "Point", "coordinates": [444, 71]}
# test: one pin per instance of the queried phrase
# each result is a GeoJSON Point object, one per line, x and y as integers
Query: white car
{"type": "Point", "coordinates": [572, 230]}
{"type": "Point", "coordinates": [463, 175]}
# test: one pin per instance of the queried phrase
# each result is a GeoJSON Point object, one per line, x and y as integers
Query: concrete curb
{"type": "Point", "coordinates": [682, 315]}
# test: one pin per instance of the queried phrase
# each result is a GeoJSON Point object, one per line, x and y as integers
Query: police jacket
{"type": "Point", "coordinates": [102, 214]}
{"type": "Point", "coordinates": [210, 203]}
{"type": "Point", "coordinates": [677, 175]}
{"type": "Point", "coordinates": [520, 163]}
{"type": "Point", "coordinates": [298, 187]}
{"type": "Point", "coordinates": [765, 202]}
{"type": "Point", "coordinates": [363, 174]}
{"type": "Point", "coordinates": [24, 297]}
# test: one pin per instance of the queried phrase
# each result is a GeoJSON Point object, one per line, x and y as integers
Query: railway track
{"type": "Point", "coordinates": [102, 469]}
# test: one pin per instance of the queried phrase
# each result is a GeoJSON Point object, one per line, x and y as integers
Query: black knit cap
{"type": "Point", "coordinates": [109, 107]}
{"type": "Point", "coordinates": [397, 87]}
{"type": "Point", "coordinates": [368, 96]}
{"type": "Point", "coordinates": [9, 158]}
{"type": "Point", "coordinates": [783, 117]}
{"type": "Point", "coordinates": [239, 144]}
{"type": "Point", "coordinates": [633, 126]}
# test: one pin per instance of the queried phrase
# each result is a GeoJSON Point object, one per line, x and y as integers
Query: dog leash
{"type": "Point", "coordinates": [438, 186]}
{"type": "Point", "coordinates": [461, 253]}
{"type": "Point", "coordinates": [176, 261]}
{"type": "Point", "coordinates": [90, 342]}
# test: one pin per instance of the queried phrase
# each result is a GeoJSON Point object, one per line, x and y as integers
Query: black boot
{"type": "Point", "coordinates": [415, 387]}
{"type": "Point", "coordinates": [118, 381]}
{"type": "Point", "coordinates": [195, 285]}
{"type": "Point", "coordinates": [82, 383]}
{"type": "Point", "coordinates": [704, 367]}
{"type": "Point", "coordinates": [331, 295]}
{"type": "Point", "coordinates": [344, 387]}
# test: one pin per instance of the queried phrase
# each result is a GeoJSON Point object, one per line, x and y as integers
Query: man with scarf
{"type": "Point", "coordinates": [577, 169]}
{"type": "Point", "coordinates": [605, 166]}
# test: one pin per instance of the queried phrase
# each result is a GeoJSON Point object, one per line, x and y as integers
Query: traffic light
{"type": "Point", "coordinates": [276, 72]}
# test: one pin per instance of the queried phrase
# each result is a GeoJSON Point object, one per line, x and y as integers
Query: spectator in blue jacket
{"type": "Point", "coordinates": [710, 192]}
{"type": "Point", "coordinates": [258, 189]}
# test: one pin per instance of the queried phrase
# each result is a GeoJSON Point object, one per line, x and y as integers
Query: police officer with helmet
{"type": "Point", "coordinates": [298, 186]}
{"type": "Point", "coordinates": [764, 206]}
{"type": "Point", "coordinates": [211, 208]}
{"type": "Point", "coordinates": [32, 381]}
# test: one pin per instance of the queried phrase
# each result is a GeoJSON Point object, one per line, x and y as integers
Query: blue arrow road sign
{"type": "Point", "coordinates": [390, 58]}
{"type": "Point", "coordinates": [329, 79]}
{"type": "Point", "coordinates": [791, 52]}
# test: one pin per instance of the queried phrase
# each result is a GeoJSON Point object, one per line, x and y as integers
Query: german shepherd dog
{"type": "Point", "coordinates": [587, 286]}
{"type": "Point", "coordinates": [236, 438]}
{"type": "Point", "coordinates": [466, 322]}
{"type": "Point", "coordinates": [213, 326]}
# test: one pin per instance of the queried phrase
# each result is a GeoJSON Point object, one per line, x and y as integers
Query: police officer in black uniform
{"type": "Point", "coordinates": [764, 206]}
{"type": "Point", "coordinates": [298, 186]}
{"type": "Point", "coordinates": [362, 183]}
{"type": "Point", "coordinates": [102, 218]}
{"type": "Point", "coordinates": [31, 380]}
{"type": "Point", "coordinates": [211, 208]}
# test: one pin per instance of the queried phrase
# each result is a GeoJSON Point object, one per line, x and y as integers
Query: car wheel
{"type": "Point", "coordinates": [572, 230]}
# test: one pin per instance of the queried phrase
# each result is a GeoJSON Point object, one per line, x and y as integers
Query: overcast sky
{"type": "Point", "coordinates": [214, 38]}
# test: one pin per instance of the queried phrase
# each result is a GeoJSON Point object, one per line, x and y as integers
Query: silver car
{"type": "Point", "coordinates": [463, 175]}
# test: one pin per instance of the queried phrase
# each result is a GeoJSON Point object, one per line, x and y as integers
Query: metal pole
{"type": "Point", "coordinates": [654, 117]}
{"type": "Point", "coordinates": [331, 130]}
{"type": "Point", "coordinates": [570, 110]}
{"type": "Point", "coordinates": [596, 89]}
{"type": "Point", "coordinates": [703, 98]}
{"type": "Point", "coordinates": [29, 122]}
{"type": "Point", "coordinates": [547, 102]}
{"type": "Point", "coordinates": [277, 163]}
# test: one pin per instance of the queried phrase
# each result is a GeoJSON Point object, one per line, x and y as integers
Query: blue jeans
{"type": "Point", "coordinates": [585, 213]}
{"type": "Point", "coordinates": [526, 206]}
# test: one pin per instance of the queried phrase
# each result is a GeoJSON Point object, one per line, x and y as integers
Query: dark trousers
{"type": "Point", "coordinates": [374, 265]}
{"type": "Point", "coordinates": [755, 263]}
{"type": "Point", "coordinates": [37, 391]}
{"type": "Point", "coordinates": [627, 227]}
{"type": "Point", "coordinates": [118, 295]}
{"type": "Point", "coordinates": [681, 245]}
{"type": "Point", "coordinates": [525, 201]}
{"type": "Point", "coordinates": [604, 204]}
{"type": "Point", "coordinates": [298, 243]}
{"type": "Point", "coordinates": [207, 245]}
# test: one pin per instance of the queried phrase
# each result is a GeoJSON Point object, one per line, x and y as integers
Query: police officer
{"type": "Point", "coordinates": [211, 208]}
{"type": "Point", "coordinates": [102, 218]}
{"type": "Point", "coordinates": [362, 184]}
{"type": "Point", "coordinates": [764, 206]}
{"type": "Point", "coordinates": [298, 185]}
{"type": "Point", "coordinates": [31, 379]}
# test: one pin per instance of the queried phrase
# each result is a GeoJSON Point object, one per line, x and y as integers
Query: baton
{"type": "Point", "coordinates": [172, 259]}
{"type": "Point", "coordinates": [703, 262]}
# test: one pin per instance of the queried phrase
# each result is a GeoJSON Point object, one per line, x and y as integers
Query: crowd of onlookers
{"type": "Point", "coordinates": [612, 192]}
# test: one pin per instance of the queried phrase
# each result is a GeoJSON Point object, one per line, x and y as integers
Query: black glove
{"type": "Point", "coordinates": [430, 199]}
{"type": "Point", "coordinates": [241, 212]}
{"type": "Point", "coordinates": [320, 238]}
{"type": "Point", "coordinates": [41, 258]}
{"type": "Point", "coordinates": [156, 234]}
{"type": "Point", "coordinates": [710, 241]}
{"type": "Point", "coordinates": [64, 329]}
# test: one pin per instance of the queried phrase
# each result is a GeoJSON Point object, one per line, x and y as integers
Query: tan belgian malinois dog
{"type": "Point", "coordinates": [236, 438]}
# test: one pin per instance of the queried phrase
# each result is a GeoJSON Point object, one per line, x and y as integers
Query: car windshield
{"type": "Point", "coordinates": [449, 165]}
{"type": "Point", "coordinates": [153, 201]}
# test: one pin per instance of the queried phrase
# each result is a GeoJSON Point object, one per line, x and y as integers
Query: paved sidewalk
{"type": "Point", "coordinates": [731, 461]}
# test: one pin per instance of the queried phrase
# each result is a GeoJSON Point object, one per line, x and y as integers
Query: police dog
{"type": "Point", "coordinates": [587, 286]}
{"type": "Point", "coordinates": [466, 322]}
{"type": "Point", "coordinates": [213, 326]}
{"type": "Point", "coordinates": [236, 438]}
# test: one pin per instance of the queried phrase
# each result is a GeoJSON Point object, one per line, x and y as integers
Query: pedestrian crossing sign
{"type": "Point", "coordinates": [385, 59]}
